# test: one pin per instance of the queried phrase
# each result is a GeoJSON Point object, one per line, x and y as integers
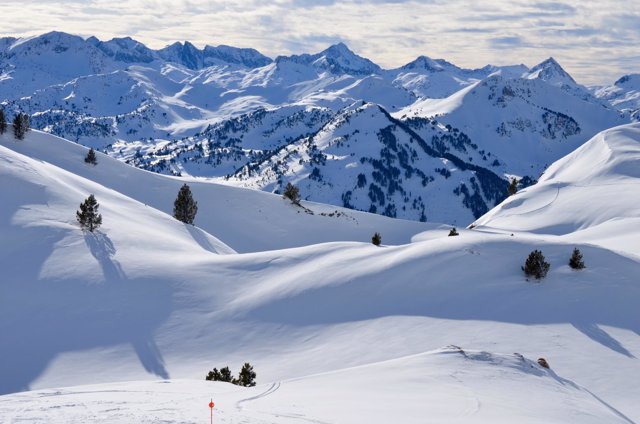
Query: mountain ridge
{"type": "Point", "coordinates": [217, 111]}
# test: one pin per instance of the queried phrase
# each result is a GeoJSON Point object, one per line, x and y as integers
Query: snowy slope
{"type": "Point", "coordinates": [348, 396]}
{"type": "Point", "coordinates": [267, 221]}
{"type": "Point", "coordinates": [146, 298]}
{"type": "Point", "coordinates": [589, 194]}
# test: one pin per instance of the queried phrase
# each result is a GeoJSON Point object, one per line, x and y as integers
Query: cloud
{"type": "Point", "coordinates": [390, 32]}
{"type": "Point", "coordinates": [556, 7]}
{"type": "Point", "coordinates": [507, 42]}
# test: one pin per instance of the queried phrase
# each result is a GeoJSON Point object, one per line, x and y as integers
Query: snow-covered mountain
{"type": "Point", "coordinates": [365, 159]}
{"type": "Point", "coordinates": [329, 327]}
{"type": "Point", "coordinates": [515, 121]}
{"type": "Point", "coordinates": [437, 78]}
{"type": "Point", "coordinates": [624, 95]}
{"type": "Point", "coordinates": [233, 115]}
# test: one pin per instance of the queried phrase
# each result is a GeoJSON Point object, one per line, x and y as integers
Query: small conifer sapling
{"type": "Point", "coordinates": [376, 239]}
{"type": "Point", "coordinates": [91, 158]}
{"type": "Point", "coordinates": [576, 261]}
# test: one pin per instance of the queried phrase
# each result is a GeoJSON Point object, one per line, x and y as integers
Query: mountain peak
{"type": "Point", "coordinates": [184, 53]}
{"type": "Point", "coordinates": [426, 63]}
{"type": "Point", "coordinates": [124, 49]}
{"type": "Point", "coordinates": [57, 39]}
{"type": "Point", "coordinates": [550, 71]}
{"type": "Point", "coordinates": [629, 79]}
{"type": "Point", "coordinates": [550, 61]}
{"type": "Point", "coordinates": [338, 49]}
{"type": "Point", "coordinates": [338, 58]}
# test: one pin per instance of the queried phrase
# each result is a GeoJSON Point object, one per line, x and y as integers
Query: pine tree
{"type": "Point", "coordinates": [292, 193]}
{"type": "Point", "coordinates": [513, 187]}
{"type": "Point", "coordinates": [17, 127]}
{"type": "Point", "coordinates": [247, 376]}
{"type": "Point", "coordinates": [20, 125]}
{"type": "Point", "coordinates": [453, 232]}
{"type": "Point", "coordinates": [3, 122]}
{"type": "Point", "coordinates": [88, 215]}
{"type": "Point", "coordinates": [576, 261]}
{"type": "Point", "coordinates": [91, 157]}
{"type": "Point", "coordinates": [376, 239]}
{"type": "Point", "coordinates": [185, 208]}
{"type": "Point", "coordinates": [536, 265]}
{"type": "Point", "coordinates": [26, 123]}
{"type": "Point", "coordinates": [213, 375]}
{"type": "Point", "coordinates": [225, 375]}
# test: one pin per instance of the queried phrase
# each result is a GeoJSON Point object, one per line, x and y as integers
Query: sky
{"type": "Point", "coordinates": [595, 41]}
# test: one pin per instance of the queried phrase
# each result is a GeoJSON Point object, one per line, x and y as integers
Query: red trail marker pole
{"type": "Point", "coordinates": [211, 404]}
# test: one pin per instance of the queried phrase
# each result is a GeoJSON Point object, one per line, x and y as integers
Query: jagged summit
{"type": "Point", "coordinates": [184, 53]}
{"type": "Point", "coordinates": [248, 57]}
{"type": "Point", "coordinates": [129, 50]}
{"type": "Point", "coordinates": [194, 58]}
{"type": "Point", "coordinates": [337, 59]}
{"type": "Point", "coordinates": [550, 71]}
{"type": "Point", "coordinates": [341, 59]}
{"type": "Point", "coordinates": [125, 49]}
{"type": "Point", "coordinates": [338, 49]}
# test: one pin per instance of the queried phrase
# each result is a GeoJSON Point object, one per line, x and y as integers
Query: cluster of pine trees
{"type": "Point", "coordinates": [537, 267]}
{"type": "Point", "coordinates": [20, 124]}
{"type": "Point", "coordinates": [246, 377]}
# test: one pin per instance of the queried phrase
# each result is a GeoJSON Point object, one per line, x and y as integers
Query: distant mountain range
{"type": "Point", "coordinates": [426, 141]}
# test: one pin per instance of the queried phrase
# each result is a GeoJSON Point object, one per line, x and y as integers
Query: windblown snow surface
{"type": "Point", "coordinates": [123, 324]}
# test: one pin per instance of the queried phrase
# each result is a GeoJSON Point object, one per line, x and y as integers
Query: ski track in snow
{"type": "Point", "coordinates": [272, 389]}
